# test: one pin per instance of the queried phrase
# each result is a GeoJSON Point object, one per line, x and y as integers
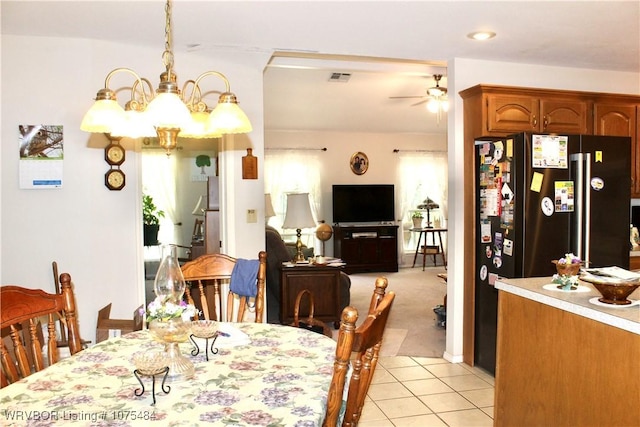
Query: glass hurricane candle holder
{"type": "Point", "coordinates": [169, 283]}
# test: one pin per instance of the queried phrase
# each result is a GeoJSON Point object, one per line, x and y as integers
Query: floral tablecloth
{"type": "Point", "coordinates": [280, 379]}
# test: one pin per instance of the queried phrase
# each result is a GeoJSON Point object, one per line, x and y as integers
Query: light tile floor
{"type": "Point", "coordinates": [422, 391]}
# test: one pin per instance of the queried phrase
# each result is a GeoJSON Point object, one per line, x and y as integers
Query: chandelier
{"type": "Point", "coordinates": [167, 112]}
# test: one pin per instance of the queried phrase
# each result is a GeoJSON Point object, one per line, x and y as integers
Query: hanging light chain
{"type": "Point", "coordinates": [167, 55]}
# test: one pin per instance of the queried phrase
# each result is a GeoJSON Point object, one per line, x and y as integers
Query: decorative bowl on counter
{"type": "Point", "coordinates": [613, 291]}
{"type": "Point", "coordinates": [567, 268]}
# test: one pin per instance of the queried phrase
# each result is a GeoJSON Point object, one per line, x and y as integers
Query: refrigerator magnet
{"type": "Point", "coordinates": [508, 247]}
{"type": "Point", "coordinates": [483, 273]}
{"type": "Point", "coordinates": [536, 182]}
{"type": "Point", "coordinates": [488, 251]}
{"type": "Point", "coordinates": [597, 183]}
{"type": "Point", "coordinates": [547, 206]}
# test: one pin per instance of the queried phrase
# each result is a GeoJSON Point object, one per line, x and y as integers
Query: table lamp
{"type": "Point", "coordinates": [428, 205]}
{"type": "Point", "coordinates": [268, 207]}
{"type": "Point", "coordinates": [298, 216]}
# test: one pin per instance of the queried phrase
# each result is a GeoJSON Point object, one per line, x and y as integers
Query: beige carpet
{"type": "Point", "coordinates": [412, 328]}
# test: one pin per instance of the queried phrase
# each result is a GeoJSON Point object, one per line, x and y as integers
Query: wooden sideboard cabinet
{"type": "Point", "coordinates": [367, 248]}
{"type": "Point", "coordinates": [322, 281]}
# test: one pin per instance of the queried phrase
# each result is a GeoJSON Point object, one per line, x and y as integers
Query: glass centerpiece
{"type": "Point", "coordinates": [567, 269]}
{"type": "Point", "coordinates": [168, 315]}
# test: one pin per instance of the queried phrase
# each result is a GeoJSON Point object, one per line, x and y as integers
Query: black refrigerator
{"type": "Point", "coordinates": [539, 197]}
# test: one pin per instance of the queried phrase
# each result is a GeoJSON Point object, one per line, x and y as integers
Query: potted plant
{"type": "Point", "coordinates": [151, 220]}
{"type": "Point", "coordinates": [417, 217]}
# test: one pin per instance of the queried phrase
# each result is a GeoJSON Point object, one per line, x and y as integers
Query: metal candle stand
{"type": "Point", "coordinates": [163, 371]}
{"type": "Point", "coordinates": [213, 349]}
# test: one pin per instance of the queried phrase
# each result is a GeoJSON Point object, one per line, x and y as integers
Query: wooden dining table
{"type": "Point", "coordinates": [278, 376]}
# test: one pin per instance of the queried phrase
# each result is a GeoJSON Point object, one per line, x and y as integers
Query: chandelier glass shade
{"type": "Point", "coordinates": [166, 112]}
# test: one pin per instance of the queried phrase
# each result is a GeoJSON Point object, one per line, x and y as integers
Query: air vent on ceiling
{"type": "Point", "coordinates": [340, 77]}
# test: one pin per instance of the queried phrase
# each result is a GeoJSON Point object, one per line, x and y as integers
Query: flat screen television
{"type": "Point", "coordinates": [363, 203]}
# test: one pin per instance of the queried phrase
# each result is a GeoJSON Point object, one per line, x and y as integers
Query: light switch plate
{"type": "Point", "coordinates": [252, 216]}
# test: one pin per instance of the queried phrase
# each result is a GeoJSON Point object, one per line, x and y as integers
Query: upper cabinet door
{"type": "Point", "coordinates": [615, 120]}
{"type": "Point", "coordinates": [511, 114]}
{"type": "Point", "coordinates": [565, 116]}
{"type": "Point", "coordinates": [621, 120]}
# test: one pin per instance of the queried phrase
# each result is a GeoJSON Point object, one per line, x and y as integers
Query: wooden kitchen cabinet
{"type": "Point", "coordinates": [526, 113]}
{"type": "Point", "coordinates": [621, 120]}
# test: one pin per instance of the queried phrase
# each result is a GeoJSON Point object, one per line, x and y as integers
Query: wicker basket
{"type": "Point", "coordinates": [567, 269]}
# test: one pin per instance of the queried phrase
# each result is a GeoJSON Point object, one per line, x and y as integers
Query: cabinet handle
{"type": "Point", "coordinates": [535, 121]}
{"type": "Point", "coordinates": [545, 122]}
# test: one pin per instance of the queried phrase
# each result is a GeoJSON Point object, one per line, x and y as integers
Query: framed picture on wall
{"type": "Point", "coordinates": [359, 163]}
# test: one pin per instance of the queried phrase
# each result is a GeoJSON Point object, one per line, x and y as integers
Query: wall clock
{"type": "Point", "coordinates": [114, 179]}
{"type": "Point", "coordinates": [114, 154]}
{"type": "Point", "coordinates": [359, 163]}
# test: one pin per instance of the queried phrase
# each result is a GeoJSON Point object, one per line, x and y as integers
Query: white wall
{"type": "Point", "coordinates": [93, 233]}
{"type": "Point", "coordinates": [341, 145]}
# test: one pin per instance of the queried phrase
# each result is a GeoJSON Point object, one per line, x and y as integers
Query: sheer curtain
{"type": "Point", "coordinates": [158, 181]}
{"type": "Point", "coordinates": [420, 175]}
{"type": "Point", "coordinates": [293, 171]}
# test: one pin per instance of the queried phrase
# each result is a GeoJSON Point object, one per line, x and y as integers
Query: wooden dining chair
{"type": "Point", "coordinates": [20, 311]}
{"type": "Point", "coordinates": [62, 330]}
{"type": "Point", "coordinates": [208, 273]}
{"type": "Point", "coordinates": [359, 347]}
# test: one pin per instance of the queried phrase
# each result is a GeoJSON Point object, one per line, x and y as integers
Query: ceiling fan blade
{"type": "Point", "coordinates": [424, 101]}
{"type": "Point", "coordinates": [406, 97]}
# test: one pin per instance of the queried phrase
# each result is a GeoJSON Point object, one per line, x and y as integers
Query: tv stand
{"type": "Point", "coordinates": [367, 248]}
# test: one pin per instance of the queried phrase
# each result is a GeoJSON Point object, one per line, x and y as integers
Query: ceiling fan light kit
{"type": "Point", "coordinates": [435, 98]}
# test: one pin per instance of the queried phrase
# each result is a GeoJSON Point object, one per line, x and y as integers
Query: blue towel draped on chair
{"type": "Point", "coordinates": [244, 276]}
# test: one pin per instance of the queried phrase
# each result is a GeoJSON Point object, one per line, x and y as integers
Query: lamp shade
{"type": "Point", "coordinates": [134, 125]}
{"type": "Point", "coordinates": [199, 127]}
{"type": "Point", "coordinates": [101, 116]}
{"type": "Point", "coordinates": [167, 110]}
{"type": "Point", "coordinates": [228, 117]}
{"type": "Point", "coordinates": [298, 212]}
{"type": "Point", "coordinates": [268, 206]}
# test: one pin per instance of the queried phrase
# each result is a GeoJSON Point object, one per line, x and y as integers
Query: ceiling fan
{"type": "Point", "coordinates": [436, 94]}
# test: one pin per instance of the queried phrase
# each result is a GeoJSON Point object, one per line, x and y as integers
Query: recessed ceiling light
{"type": "Point", "coordinates": [481, 35]}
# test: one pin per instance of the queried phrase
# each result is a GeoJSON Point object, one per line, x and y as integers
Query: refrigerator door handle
{"type": "Point", "coordinates": [582, 205]}
{"type": "Point", "coordinates": [578, 161]}
{"type": "Point", "coordinates": [585, 185]}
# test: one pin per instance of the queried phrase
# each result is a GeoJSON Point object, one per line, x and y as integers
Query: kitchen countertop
{"type": "Point", "coordinates": [623, 317]}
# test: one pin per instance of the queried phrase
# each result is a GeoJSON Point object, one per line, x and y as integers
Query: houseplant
{"type": "Point", "coordinates": [417, 217]}
{"type": "Point", "coordinates": [151, 220]}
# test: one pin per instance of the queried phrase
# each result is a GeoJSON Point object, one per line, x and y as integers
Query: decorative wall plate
{"type": "Point", "coordinates": [359, 163]}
